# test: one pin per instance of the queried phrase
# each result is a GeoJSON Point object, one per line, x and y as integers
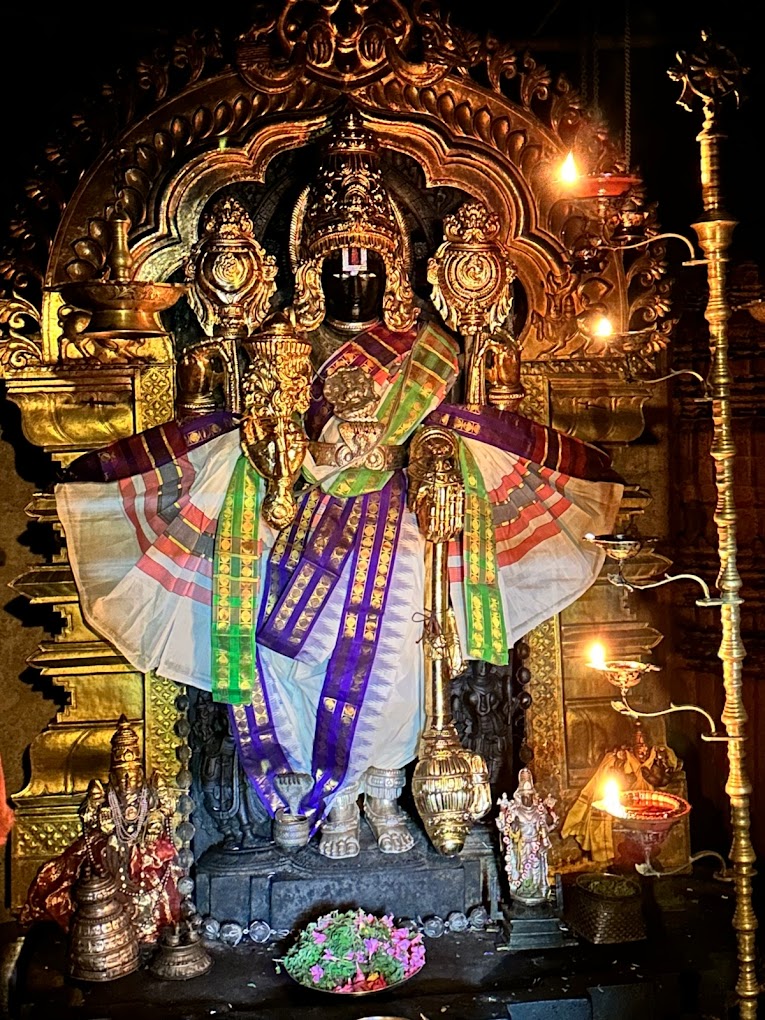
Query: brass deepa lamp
{"type": "Point", "coordinates": [121, 307]}
{"type": "Point", "coordinates": [646, 815]}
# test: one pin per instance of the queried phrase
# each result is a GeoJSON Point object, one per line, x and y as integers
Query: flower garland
{"type": "Point", "coordinates": [352, 951]}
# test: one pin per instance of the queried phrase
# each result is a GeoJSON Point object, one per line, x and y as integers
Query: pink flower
{"type": "Point", "coordinates": [372, 945]}
{"type": "Point", "coordinates": [387, 920]}
{"type": "Point", "coordinates": [317, 973]}
{"type": "Point", "coordinates": [319, 937]}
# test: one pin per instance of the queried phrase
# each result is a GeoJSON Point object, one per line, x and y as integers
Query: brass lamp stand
{"type": "Point", "coordinates": [713, 74]}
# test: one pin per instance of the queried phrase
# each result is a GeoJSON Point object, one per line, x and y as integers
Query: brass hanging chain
{"type": "Point", "coordinates": [627, 85]}
{"type": "Point", "coordinates": [596, 62]}
{"type": "Point", "coordinates": [584, 68]}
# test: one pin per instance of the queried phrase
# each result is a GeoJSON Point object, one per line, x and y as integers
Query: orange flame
{"type": "Point", "coordinates": [597, 655]}
{"type": "Point", "coordinates": [568, 171]}
{"type": "Point", "coordinates": [611, 799]}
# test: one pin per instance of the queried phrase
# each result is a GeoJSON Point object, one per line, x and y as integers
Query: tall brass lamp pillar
{"type": "Point", "coordinates": [713, 74]}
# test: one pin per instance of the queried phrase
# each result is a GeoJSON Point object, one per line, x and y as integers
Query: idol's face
{"type": "Point", "coordinates": [353, 280]}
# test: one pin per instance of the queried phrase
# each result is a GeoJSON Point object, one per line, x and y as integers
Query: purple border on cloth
{"type": "Point", "coordinates": [348, 671]}
{"type": "Point", "coordinates": [330, 529]}
{"type": "Point", "coordinates": [263, 748]}
{"type": "Point", "coordinates": [350, 666]}
{"type": "Point", "coordinates": [149, 450]}
{"type": "Point", "coordinates": [525, 438]}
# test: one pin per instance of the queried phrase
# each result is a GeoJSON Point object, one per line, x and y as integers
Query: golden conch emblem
{"type": "Point", "coordinates": [471, 272]}
{"type": "Point", "coordinates": [231, 278]}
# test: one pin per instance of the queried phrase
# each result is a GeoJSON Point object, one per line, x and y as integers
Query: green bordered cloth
{"type": "Point", "coordinates": [485, 618]}
{"type": "Point", "coordinates": [236, 587]}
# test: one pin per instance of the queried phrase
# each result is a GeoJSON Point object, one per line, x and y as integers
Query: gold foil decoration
{"type": "Point", "coordinates": [471, 276]}
{"type": "Point", "coordinates": [450, 784]}
{"type": "Point", "coordinates": [502, 371]}
{"type": "Point", "coordinates": [276, 392]}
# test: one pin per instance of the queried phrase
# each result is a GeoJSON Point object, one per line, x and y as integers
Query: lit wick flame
{"type": "Point", "coordinates": [568, 171]}
{"type": "Point", "coordinates": [597, 658]}
{"type": "Point", "coordinates": [611, 800]}
{"type": "Point", "coordinates": [602, 326]}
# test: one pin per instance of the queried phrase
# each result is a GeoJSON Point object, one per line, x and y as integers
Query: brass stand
{"type": "Point", "coordinates": [450, 785]}
{"type": "Point", "coordinates": [713, 74]}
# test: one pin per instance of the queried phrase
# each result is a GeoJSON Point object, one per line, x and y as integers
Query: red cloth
{"type": "Point", "coordinates": [6, 814]}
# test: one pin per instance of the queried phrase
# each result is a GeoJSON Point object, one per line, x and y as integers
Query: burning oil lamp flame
{"type": "Point", "coordinates": [568, 171]}
{"type": "Point", "coordinates": [622, 673]}
{"type": "Point", "coordinates": [602, 326]}
{"type": "Point", "coordinates": [611, 800]}
{"type": "Point", "coordinates": [597, 656]}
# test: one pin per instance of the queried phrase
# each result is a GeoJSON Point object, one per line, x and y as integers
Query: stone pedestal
{"type": "Point", "coordinates": [537, 927]}
{"type": "Point", "coordinates": [287, 890]}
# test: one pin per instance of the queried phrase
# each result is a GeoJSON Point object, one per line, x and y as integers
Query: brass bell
{"type": "Point", "coordinates": [181, 955]}
{"type": "Point", "coordinates": [103, 945]}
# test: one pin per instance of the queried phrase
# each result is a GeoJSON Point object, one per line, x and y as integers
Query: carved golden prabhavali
{"type": "Point", "coordinates": [160, 205]}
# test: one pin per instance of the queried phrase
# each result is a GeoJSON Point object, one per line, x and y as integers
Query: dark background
{"type": "Point", "coordinates": [54, 56]}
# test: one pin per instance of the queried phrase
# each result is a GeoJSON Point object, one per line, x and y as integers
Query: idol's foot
{"type": "Point", "coordinates": [340, 832]}
{"type": "Point", "coordinates": [388, 824]}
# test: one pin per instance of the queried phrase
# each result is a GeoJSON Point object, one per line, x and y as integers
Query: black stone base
{"type": "Point", "coordinates": [537, 927]}
{"type": "Point", "coordinates": [287, 890]}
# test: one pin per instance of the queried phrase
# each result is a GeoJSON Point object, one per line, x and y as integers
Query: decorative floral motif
{"type": "Point", "coordinates": [352, 951]}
